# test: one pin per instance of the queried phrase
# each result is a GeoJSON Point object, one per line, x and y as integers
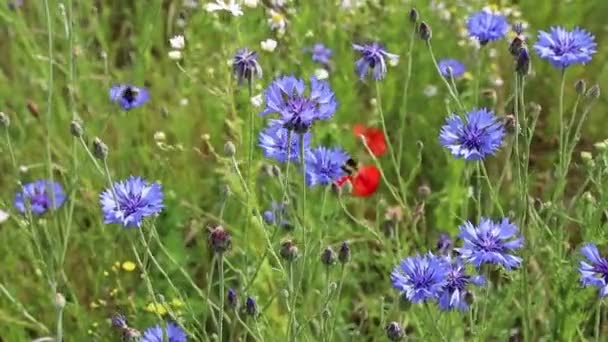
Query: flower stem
{"type": "Point", "coordinates": [598, 319]}
{"type": "Point", "coordinates": [447, 84]}
{"type": "Point", "coordinates": [221, 318]}
{"type": "Point", "coordinates": [403, 110]}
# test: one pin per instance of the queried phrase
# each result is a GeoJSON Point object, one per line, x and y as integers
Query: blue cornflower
{"type": "Point", "coordinates": [321, 54]}
{"type": "Point", "coordinates": [276, 214]}
{"type": "Point", "coordinates": [596, 273]}
{"type": "Point", "coordinates": [563, 48]}
{"type": "Point", "coordinates": [372, 57]}
{"type": "Point", "coordinates": [275, 138]}
{"type": "Point", "coordinates": [174, 333]}
{"type": "Point", "coordinates": [455, 291]}
{"type": "Point", "coordinates": [480, 135]}
{"type": "Point", "coordinates": [129, 96]}
{"type": "Point", "coordinates": [130, 201]}
{"type": "Point", "coordinates": [490, 243]}
{"type": "Point", "coordinates": [487, 26]}
{"type": "Point", "coordinates": [287, 96]}
{"type": "Point", "coordinates": [245, 65]}
{"type": "Point", "coordinates": [421, 277]}
{"type": "Point", "coordinates": [324, 165]}
{"type": "Point", "coordinates": [39, 197]}
{"type": "Point", "coordinates": [450, 67]}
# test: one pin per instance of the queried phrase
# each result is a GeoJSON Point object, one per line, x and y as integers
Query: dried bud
{"type": "Point", "coordinates": [522, 66]}
{"type": "Point", "coordinates": [59, 301]}
{"type": "Point", "coordinates": [5, 121]}
{"type": "Point", "coordinates": [233, 299]}
{"type": "Point", "coordinates": [219, 240]}
{"type": "Point", "coordinates": [76, 129]}
{"type": "Point", "coordinates": [535, 108]}
{"type": "Point", "coordinates": [251, 307]}
{"type": "Point", "coordinates": [414, 16]}
{"type": "Point", "coordinates": [328, 256]}
{"type": "Point", "coordinates": [580, 86]}
{"type": "Point", "coordinates": [394, 332]}
{"type": "Point", "coordinates": [289, 251]}
{"type": "Point", "coordinates": [424, 191]}
{"type": "Point", "coordinates": [344, 253]}
{"type": "Point", "coordinates": [394, 213]}
{"type": "Point", "coordinates": [229, 149]}
{"type": "Point", "coordinates": [424, 31]}
{"type": "Point", "coordinates": [593, 92]}
{"type": "Point", "coordinates": [100, 149]}
{"type": "Point", "coordinates": [510, 123]}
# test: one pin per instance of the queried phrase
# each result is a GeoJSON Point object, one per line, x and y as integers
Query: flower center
{"type": "Point", "coordinates": [129, 94]}
{"type": "Point", "coordinates": [457, 280]}
{"type": "Point", "coordinates": [131, 204]}
{"type": "Point", "coordinates": [40, 199]}
{"type": "Point", "coordinates": [296, 106]}
{"type": "Point", "coordinates": [602, 268]}
{"type": "Point", "coordinates": [472, 139]}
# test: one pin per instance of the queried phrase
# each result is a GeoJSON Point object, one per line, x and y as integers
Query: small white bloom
{"type": "Point", "coordinates": [160, 136]}
{"type": "Point", "coordinates": [184, 102]}
{"type": "Point", "coordinates": [497, 81]}
{"type": "Point", "coordinates": [221, 5]}
{"type": "Point", "coordinates": [277, 21]}
{"type": "Point", "coordinates": [3, 216]}
{"type": "Point", "coordinates": [321, 74]}
{"type": "Point", "coordinates": [251, 3]}
{"type": "Point", "coordinates": [175, 55]}
{"type": "Point", "coordinates": [393, 61]}
{"type": "Point", "coordinates": [177, 42]}
{"type": "Point", "coordinates": [430, 90]}
{"type": "Point", "coordinates": [309, 34]}
{"type": "Point", "coordinates": [268, 45]}
{"type": "Point", "coordinates": [257, 101]}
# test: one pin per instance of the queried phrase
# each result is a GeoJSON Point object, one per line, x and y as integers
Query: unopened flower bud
{"type": "Point", "coordinates": [229, 149]}
{"type": "Point", "coordinates": [328, 256]}
{"type": "Point", "coordinates": [424, 31]}
{"type": "Point", "coordinates": [444, 244]}
{"type": "Point", "coordinates": [119, 322]}
{"type": "Point", "coordinates": [100, 149]}
{"type": "Point", "coordinates": [580, 86]}
{"type": "Point", "coordinates": [219, 240]}
{"type": "Point", "coordinates": [59, 301]}
{"type": "Point", "coordinates": [522, 66]}
{"type": "Point", "coordinates": [76, 129]}
{"type": "Point", "coordinates": [414, 16]}
{"type": "Point", "coordinates": [251, 307]}
{"type": "Point", "coordinates": [232, 298]}
{"type": "Point", "coordinates": [289, 251]}
{"type": "Point", "coordinates": [344, 253]}
{"type": "Point", "coordinates": [424, 191]}
{"type": "Point", "coordinates": [5, 121]}
{"type": "Point", "coordinates": [394, 332]}
{"type": "Point", "coordinates": [593, 92]}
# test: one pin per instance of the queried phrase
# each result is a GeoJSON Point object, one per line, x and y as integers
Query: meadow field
{"type": "Point", "coordinates": [303, 170]}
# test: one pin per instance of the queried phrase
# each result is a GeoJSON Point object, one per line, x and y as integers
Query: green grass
{"type": "Point", "coordinates": [57, 62]}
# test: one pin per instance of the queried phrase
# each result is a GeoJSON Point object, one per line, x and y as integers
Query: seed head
{"type": "Point", "coordinates": [424, 31]}
{"type": "Point", "coordinates": [344, 253]}
{"type": "Point", "coordinates": [328, 256]}
{"type": "Point", "coordinates": [289, 251]}
{"type": "Point", "coordinates": [76, 129]}
{"type": "Point", "coordinates": [5, 121]}
{"type": "Point", "coordinates": [219, 240]}
{"type": "Point", "coordinates": [100, 149]}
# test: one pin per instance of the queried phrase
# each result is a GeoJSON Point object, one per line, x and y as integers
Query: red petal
{"type": "Point", "coordinates": [359, 129]}
{"type": "Point", "coordinates": [374, 138]}
{"type": "Point", "coordinates": [366, 181]}
{"type": "Point", "coordinates": [340, 181]}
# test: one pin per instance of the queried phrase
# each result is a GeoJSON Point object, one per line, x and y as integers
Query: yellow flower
{"type": "Point", "coordinates": [156, 308]}
{"type": "Point", "coordinates": [113, 292]}
{"type": "Point", "coordinates": [176, 303]}
{"type": "Point", "coordinates": [128, 266]}
{"type": "Point", "coordinates": [467, 76]}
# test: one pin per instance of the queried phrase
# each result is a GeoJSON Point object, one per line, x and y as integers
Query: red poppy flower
{"type": "Point", "coordinates": [365, 181]}
{"type": "Point", "coordinates": [374, 138]}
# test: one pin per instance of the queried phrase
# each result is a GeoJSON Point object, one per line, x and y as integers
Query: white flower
{"type": "Point", "coordinates": [393, 61]}
{"type": "Point", "coordinates": [250, 3]}
{"type": "Point", "coordinates": [277, 21]}
{"type": "Point", "coordinates": [184, 102]}
{"type": "Point", "coordinates": [257, 101]}
{"type": "Point", "coordinates": [177, 42]}
{"type": "Point", "coordinates": [321, 74]}
{"type": "Point", "coordinates": [160, 136]}
{"type": "Point", "coordinates": [175, 55]}
{"type": "Point", "coordinates": [497, 81]}
{"type": "Point", "coordinates": [268, 45]}
{"type": "Point", "coordinates": [221, 5]}
{"type": "Point", "coordinates": [430, 90]}
{"type": "Point", "coordinates": [3, 216]}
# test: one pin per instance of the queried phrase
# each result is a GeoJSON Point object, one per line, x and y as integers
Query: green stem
{"type": "Point", "coordinates": [11, 152]}
{"type": "Point", "coordinates": [562, 172]}
{"type": "Point", "coordinates": [403, 110]}
{"type": "Point", "coordinates": [221, 318]}
{"type": "Point", "coordinates": [445, 82]}
{"type": "Point", "coordinates": [434, 322]}
{"type": "Point", "coordinates": [598, 319]}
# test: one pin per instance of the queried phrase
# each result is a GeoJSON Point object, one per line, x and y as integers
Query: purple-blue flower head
{"type": "Point", "coordinates": [594, 271]}
{"type": "Point", "coordinates": [275, 139]}
{"type": "Point", "coordinates": [129, 96]}
{"type": "Point", "coordinates": [455, 291]}
{"type": "Point", "coordinates": [421, 277]}
{"type": "Point", "coordinates": [245, 65]}
{"type": "Point", "coordinates": [172, 331]}
{"type": "Point", "coordinates": [276, 214]}
{"type": "Point", "coordinates": [297, 108]}
{"type": "Point", "coordinates": [490, 243]}
{"type": "Point", "coordinates": [450, 67]}
{"type": "Point", "coordinates": [563, 48]}
{"type": "Point", "coordinates": [324, 165]}
{"type": "Point", "coordinates": [130, 201]}
{"type": "Point", "coordinates": [372, 58]}
{"type": "Point", "coordinates": [39, 197]}
{"type": "Point", "coordinates": [321, 54]}
{"type": "Point", "coordinates": [444, 244]}
{"type": "Point", "coordinates": [479, 135]}
{"type": "Point", "coordinates": [487, 26]}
